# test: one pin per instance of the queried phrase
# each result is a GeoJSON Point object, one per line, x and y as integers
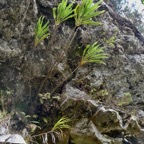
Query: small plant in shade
{"type": "Point", "coordinates": [41, 31]}
{"type": "Point", "coordinates": [62, 124]}
{"type": "Point", "coordinates": [56, 131]}
{"type": "Point", "coordinates": [44, 97]}
{"type": "Point", "coordinates": [62, 12]}
{"type": "Point", "coordinates": [93, 53]}
{"type": "Point", "coordinates": [85, 11]}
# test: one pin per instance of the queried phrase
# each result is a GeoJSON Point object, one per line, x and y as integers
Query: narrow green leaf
{"type": "Point", "coordinates": [54, 13]}
{"type": "Point", "coordinates": [41, 31]}
{"type": "Point", "coordinates": [63, 12]}
{"type": "Point", "coordinates": [93, 53]}
{"type": "Point", "coordinates": [62, 123]}
{"type": "Point", "coordinates": [85, 11]}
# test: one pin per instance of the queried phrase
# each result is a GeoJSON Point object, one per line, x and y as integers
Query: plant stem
{"type": "Point", "coordinates": [41, 134]}
{"type": "Point", "coordinates": [53, 36]}
{"type": "Point", "coordinates": [30, 74]}
{"type": "Point", "coordinates": [66, 47]}
{"type": "Point", "coordinates": [64, 80]}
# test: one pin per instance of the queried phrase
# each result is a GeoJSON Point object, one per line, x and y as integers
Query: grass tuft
{"type": "Point", "coordinates": [41, 31]}
{"type": "Point", "coordinates": [93, 53]}
{"type": "Point", "coordinates": [85, 11]}
{"type": "Point", "coordinates": [62, 12]}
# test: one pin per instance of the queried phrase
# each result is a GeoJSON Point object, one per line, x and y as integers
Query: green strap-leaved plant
{"type": "Point", "coordinates": [62, 12]}
{"type": "Point", "coordinates": [41, 31]}
{"type": "Point", "coordinates": [93, 53]}
{"type": "Point", "coordinates": [85, 11]}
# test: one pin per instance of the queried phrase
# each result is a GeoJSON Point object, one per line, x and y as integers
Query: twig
{"type": "Point", "coordinates": [63, 81]}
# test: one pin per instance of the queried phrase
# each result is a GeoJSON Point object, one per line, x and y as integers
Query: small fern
{"type": "Point", "coordinates": [85, 11]}
{"type": "Point", "coordinates": [62, 12]}
{"type": "Point", "coordinates": [93, 53]}
{"type": "Point", "coordinates": [41, 31]}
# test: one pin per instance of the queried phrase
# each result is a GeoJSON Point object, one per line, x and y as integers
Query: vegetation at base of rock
{"type": "Point", "coordinates": [62, 12]}
{"type": "Point", "coordinates": [55, 132]}
{"type": "Point", "coordinates": [41, 31]}
{"type": "Point", "coordinates": [44, 97]}
{"type": "Point", "coordinates": [85, 11]}
{"type": "Point", "coordinates": [62, 124]}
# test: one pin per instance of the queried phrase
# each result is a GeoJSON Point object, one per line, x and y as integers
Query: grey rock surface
{"type": "Point", "coordinates": [15, 139]}
{"type": "Point", "coordinates": [4, 137]}
{"type": "Point", "coordinates": [85, 132]}
{"type": "Point", "coordinates": [95, 124]}
{"type": "Point", "coordinates": [103, 116]}
{"type": "Point", "coordinates": [12, 138]}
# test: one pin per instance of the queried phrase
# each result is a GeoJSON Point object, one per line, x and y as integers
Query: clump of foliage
{"type": "Point", "coordinates": [41, 31]}
{"type": "Point", "coordinates": [56, 131]}
{"type": "Point", "coordinates": [85, 11]}
{"type": "Point", "coordinates": [62, 124]}
{"type": "Point", "coordinates": [62, 12]}
{"type": "Point", "coordinates": [44, 97]}
{"type": "Point", "coordinates": [93, 53]}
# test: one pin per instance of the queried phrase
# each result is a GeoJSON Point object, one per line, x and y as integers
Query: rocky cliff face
{"type": "Point", "coordinates": [105, 102]}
